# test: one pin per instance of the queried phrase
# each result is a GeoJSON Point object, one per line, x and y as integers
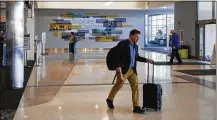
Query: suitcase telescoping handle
{"type": "Point", "coordinates": [149, 73]}
{"type": "Point", "coordinates": [114, 79]}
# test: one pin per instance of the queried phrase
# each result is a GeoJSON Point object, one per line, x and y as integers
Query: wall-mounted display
{"type": "Point", "coordinates": [91, 26]}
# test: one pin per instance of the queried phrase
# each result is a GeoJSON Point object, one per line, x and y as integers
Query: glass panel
{"type": "Point", "coordinates": [168, 22]}
{"type": "Point", "coordinates": [149, 30]}
{"type": "Point", "coordinates": [204, 10]}
{"type": "Point", "coordinates": [154, 23]}
{"type": "Point", "coordinates": [154, 17]}
{"type": "Point", "coordinates": [160, 17]}
{"type": "Point", "coordinates": [146, 30]}
{"type": "Point", "coordinates": [172, 16]}
{"type": "Point", "coordinates": [146, 40]}
{"type": "Point", "coordinates": [164, 22]}
{"type": "Point", "coordinates": [210, 39]}
{"type": "Point", "coordinates": [164, 30]}
{"type": "Point", "coordinates": [172, 21]}
{"type": "Point", "coordinates": [149, 20]}
{"type": "Point", "coordinates": [150, 39]}
{"type": "Point", "coordinates": [146, 19]}
{"type": "Point", "coordinates": [215, 11]}
{"type": "Point", "coordinates": [154, 30]}
{"type": "Point", "coordinates": [159, 22]}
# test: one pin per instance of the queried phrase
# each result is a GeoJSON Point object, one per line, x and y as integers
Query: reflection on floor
{"type": "Point", "coordinates": [61, 91]}
{"type": "Point", "coordinates": [9, 99]}
{"type": "Point", "coordinates": [163, 50]}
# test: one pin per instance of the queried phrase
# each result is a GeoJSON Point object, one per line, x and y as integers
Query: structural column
{"type": "Point", "coordinates": [216, 70]}
{"type": "Point", "coordinates": [14, 44]}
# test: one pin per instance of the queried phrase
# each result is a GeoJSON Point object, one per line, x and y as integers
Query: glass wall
{"type": "Point", "coordinates": [205, 10]}
{"type": "Point", "coordinates": [157, 29]}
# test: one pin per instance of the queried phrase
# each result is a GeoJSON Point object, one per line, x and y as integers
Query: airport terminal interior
{"type": "Point", "coordinates": [54, 60]}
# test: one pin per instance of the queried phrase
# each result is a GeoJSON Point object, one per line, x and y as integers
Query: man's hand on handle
{"type": "Point", "coordinates": [150, 61]}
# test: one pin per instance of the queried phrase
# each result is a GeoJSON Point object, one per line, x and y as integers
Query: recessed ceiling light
{"type": "Point", "coordinates": [107, 3]}
{"type": "Point", "coordinates": [164, 7]}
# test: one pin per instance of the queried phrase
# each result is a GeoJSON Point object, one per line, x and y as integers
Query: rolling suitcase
{"type": "Point", "coordinates": [152, 94]}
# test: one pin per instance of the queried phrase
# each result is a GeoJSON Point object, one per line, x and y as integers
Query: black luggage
{"type": "Point", "coordinates": [111, 59]}
{"type": "Point", "coordinates": [152, 94]}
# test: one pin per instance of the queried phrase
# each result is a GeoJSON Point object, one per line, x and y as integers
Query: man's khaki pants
{"type": "Point", "coordinates": [133, 80]}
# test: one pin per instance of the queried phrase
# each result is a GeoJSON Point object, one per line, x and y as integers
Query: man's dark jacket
{"type": "Point", "coordinates": [123, 56]}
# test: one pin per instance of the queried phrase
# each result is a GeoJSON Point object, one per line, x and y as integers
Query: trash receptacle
{"type": "Point", "coordinates": [183, 52]}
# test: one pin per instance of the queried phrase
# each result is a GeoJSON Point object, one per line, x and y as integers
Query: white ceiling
{"type": "Point", "coordinates": [137, 5]}
{"type": "Point", "coordinates": [93, 5]}
{"type": "Point", "coordinates": [105, 5]}
{"type": "Point", "coordinates": [165, 6]}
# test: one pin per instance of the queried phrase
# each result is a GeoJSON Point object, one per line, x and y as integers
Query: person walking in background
{"type": "Point", "coordinates": [127, 55]}
{"type": "Point", "coordinates": [72, 42]}
{"type": "Point", "coordinates": [175, 47]}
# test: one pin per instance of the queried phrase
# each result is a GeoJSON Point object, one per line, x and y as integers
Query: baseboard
{"type": "Point", "coordinates": [192, 57]}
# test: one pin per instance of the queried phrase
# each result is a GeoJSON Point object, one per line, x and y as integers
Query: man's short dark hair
{"type": "Point", "coordinates": [134, 31]}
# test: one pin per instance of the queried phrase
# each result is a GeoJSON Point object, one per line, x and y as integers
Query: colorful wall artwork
{"type": "Point", "coordinates": [91, 26]}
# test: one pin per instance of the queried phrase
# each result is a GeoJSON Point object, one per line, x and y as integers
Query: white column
{"type": "Point", "coordinates": [216, 70]}
{"type": "Point", "coordinates": [14, 41]}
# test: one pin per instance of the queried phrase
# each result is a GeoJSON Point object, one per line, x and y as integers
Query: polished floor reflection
{"type": "Point", "coordinates": [60, 90]}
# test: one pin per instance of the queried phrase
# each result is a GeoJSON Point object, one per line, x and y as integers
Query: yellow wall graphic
{"type": "Point", "coordinates": [60, 26]}
{"type": "Point", "coordinates": [127, 25]}
{"type": "Point", "coordinates": [106, 38]}
{"type": "Point", "coordinates": [111, 16]}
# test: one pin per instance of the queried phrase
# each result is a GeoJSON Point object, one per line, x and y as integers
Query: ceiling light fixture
{"type": "Point", "coordinates": [164, 7]}
{"type": "Point", "coordinates": [106, 3]}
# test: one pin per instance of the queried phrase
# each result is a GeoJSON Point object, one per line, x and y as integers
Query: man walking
{"type": "Point", "coordinates": [127, 56]}
{"type": "Point", "coordinates": [175, 47]}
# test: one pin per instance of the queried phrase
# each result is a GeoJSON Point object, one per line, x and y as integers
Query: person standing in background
{"type": "Point", "coordinates": [72, 42]}
{"type": "Point", "coordinates": [1, 44]}
{"type": "Point", "coordinates": [175, 47]}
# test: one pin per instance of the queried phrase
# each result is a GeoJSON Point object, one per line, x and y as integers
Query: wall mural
{"type": "Point", "coordinates": [90, 26]}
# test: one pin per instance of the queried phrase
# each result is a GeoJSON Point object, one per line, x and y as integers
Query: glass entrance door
{"type": "Point", "coordinates": [207, 39]}
{"type": "Point", "coordinates": [210, 40]}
